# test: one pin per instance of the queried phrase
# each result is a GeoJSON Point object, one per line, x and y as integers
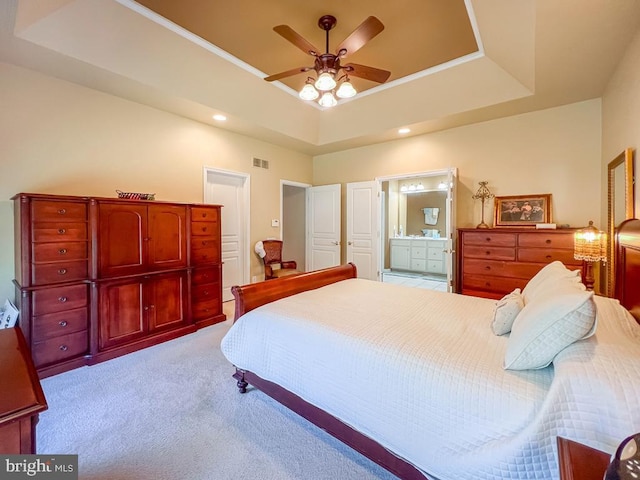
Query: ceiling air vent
{"type": "Point", "coordinates": [258, 162]}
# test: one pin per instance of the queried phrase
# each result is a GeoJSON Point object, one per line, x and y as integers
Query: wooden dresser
{"type": "Point", "coordinates": [100, 277]}
{"type": "Point", "coordinates": [21, 396]}
{"type": "Point", "coordinates": [494, 262]}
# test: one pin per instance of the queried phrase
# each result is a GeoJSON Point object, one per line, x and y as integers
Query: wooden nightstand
{"type": "Point", "coordinates": [579, 462]}
{"type": "Point", "coordinates": [21, 396]}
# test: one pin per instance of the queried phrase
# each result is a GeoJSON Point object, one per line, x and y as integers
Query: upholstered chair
{"type": "Point", "coordinates": [274, 267]}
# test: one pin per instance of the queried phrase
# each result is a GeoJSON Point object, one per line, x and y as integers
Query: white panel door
{"type": "Point", "coordinates": [227, 189]}
{"type": "Point", "coordinates": [323, 227]}
{"type": "Point", "coordinates": [362, 228]}
{"type": "Point", "coordinates": [449, 251]}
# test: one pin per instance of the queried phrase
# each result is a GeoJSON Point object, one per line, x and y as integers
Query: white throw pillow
{"type": "Point", "coordinates": [548, 275]}
{"type": "Point", "coordinates": [548, 325]}
{"type": "Point", "coordinates": [507, 309]}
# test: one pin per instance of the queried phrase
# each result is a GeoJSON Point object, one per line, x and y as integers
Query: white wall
{"type": "Point", "coordinates": [553, 151]}
{"type": "Point", "coordinates": [60, 138]}
{"type": "Point", "coordinates": [621, 116]}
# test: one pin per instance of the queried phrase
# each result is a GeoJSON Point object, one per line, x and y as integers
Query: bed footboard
{"type": "Point", "coordinates": [254, 295]}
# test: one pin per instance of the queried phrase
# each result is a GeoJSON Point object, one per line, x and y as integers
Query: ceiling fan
{"type": "Point", "coordinates": [327, 65]}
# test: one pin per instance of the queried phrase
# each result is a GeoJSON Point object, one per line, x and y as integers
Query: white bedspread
{"type": "Point", "coordinates": [421, 373]}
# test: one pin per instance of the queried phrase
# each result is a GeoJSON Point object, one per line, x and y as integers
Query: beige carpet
{"type": "Point", "coordinates": [173, 412]}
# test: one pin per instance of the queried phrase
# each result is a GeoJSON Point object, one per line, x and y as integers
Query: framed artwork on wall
{"type": "Point", "coordinates": [522, 210]}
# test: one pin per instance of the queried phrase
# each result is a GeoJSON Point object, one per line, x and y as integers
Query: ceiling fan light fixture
{"type": "Point", "coordinates": [346, 90]}
{"type": "Point", "coordinates": [327, 100]}
{"type": "Point", "coordinates": [308, 92]}
{"type": "Point", "coordinates": [325, 82]}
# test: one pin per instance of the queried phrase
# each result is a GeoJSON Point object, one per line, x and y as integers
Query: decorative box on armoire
{"type": "Point", "coordinates": [101, 277]}
{"type": "Point", "coordinates": [493, 262]}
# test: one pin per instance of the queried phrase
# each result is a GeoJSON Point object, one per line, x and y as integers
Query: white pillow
{"type": "Point", "coordinates": [507, 309]}
{"type": "Point", "coordinates": [548, 325]}
{"type": "Point", "coordinates": [547, 275]}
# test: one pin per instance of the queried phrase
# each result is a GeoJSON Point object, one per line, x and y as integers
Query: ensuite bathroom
{"type": "Point", "coordinates": [415, 224]}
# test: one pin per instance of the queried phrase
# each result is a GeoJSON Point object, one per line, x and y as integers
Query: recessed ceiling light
{"type": "Point", "coordinates": [402, 131]}
{"type": "Point", "coordinates": [220, 118]}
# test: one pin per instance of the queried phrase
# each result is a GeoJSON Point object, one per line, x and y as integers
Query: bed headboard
{"type": "Point", "coordinates": [254, 295]}
{"type": "Point", "coordinates": [627, 275]}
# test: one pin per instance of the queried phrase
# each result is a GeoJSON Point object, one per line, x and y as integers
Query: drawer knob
{"type": "Point", "coordinates": [62, 211]}
{"type": "Point", "coordinates": [62, 251]}
{"type": "Point", "coordinates": [487, 267]}
{"type": "Point", "coordinates": [547, 241]}
{"type": "Point", "coordinates": [63, 323]}
{"type": "Point", "coordinates": [62, 271]}
{"type": "Point", "coordinates": [488, 239]}
{"type": "Point", "coordinates": [204, 229]}
{"type": "Point", "coordinates": [487, 284]}
{"type": "Point", "coordinates": [63, 348]}
{"type": "Point", "coordinates": [62, 231]}
{"type": "Point", "coordinates": [548, 257]}
{"type": "Point", "coordinates": [62, 299]}
{"type": "Point", "coordinates": [488, 252]}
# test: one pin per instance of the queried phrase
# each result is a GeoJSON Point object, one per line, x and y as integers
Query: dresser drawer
{"type": "Point", "coordinates": [58, 299]}
{"type": "Point", "coordinates": [60, 348]}
{"type": "Point", "coordinates": [205, 255]}
{"type": "Point", "coordinates": [419, 265]}
{"type": "Point", "coordinates": [206, 275]}
{"type": "Point", "coordinates": [205, 292]}
{"type": "Point", "coordinates": [435, 254]}
{"type": "Point", "coordinates": [203, 214]}
{"type": "Point", "coordinates": [59, 272]}
{"type": "Point", "coordinates": [205, 309]}
{"type": "Point", "coordinates": [564, 240]}
{"type": "Point", "coordinates": [52, 211]}
{"type": "Point", "coordinates": [490, 238]}
{"type": "Point", "coordinates": [435, 266]}
{"type": "Point", "coordinates": [547, 255]}
{"type": "Point", "coordinates": [490, 251]}
{"type": "Point", "coordinates": [57, 324]}
{"type": "Point", "coordinates": [56, 252]}
{"type": "Point", "coordinates": [494, 284]}
{"type": "Point", "coordinates": [501, 268]}
{"type": "Point", "coordinates": [59, 232]}
{"type": "Point", "coordinates": [418, 252]}
{"type": "Point", "coordinates": [204, 228]}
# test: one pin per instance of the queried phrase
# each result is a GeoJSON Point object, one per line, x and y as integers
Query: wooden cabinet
{"type": "Point", "coordinates": [21, 396]}
{"type": "Point", "coordinates": [97, 277]}
{"type": "Point", "coordinates": [417, 254]}
{"type": "Point", "coordinates": [138, 238]}
{"type": "Point", "coordinates": [206, 288]}
{"type": "Point", "coordinates": [579, 462]}
{"type": "Point", "coordinates": [494, 262]}
{"type": "Point", "coordinates": [134, 308]}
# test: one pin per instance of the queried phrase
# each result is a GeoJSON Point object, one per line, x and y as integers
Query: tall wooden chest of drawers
{"type": "Point", "coordinates": [100, 277]}
{"type": "Point", "coordinates": [494, 262]}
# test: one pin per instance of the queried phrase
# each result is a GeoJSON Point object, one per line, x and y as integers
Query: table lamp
{"type": "Point", "coordinates": [590, 245]}
{"type": "Point", "coordinates": [483, 194]}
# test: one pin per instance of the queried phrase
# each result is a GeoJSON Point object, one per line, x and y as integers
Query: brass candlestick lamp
{"type": "Point", "coordinates": [483, 194]}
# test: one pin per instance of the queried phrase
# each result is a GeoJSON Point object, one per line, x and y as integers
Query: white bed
{"type": "Point", "coordinates": [423, 374]}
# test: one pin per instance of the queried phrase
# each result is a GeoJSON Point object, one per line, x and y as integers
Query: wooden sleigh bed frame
{"type": "Point", "coordinates": [249, 297]}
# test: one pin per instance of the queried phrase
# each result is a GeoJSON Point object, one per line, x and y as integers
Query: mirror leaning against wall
{"type": "Point", "coordinates": [620, 205]}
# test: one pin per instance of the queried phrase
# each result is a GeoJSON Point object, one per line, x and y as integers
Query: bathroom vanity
{"type": "Point", "coordinates": [418, 254]}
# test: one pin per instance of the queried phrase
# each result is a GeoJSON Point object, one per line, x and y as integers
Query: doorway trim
{"type": "Point", "coordinates": [246, 225]}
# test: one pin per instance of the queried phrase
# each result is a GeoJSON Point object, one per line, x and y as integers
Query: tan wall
{"type": "Point", "coordinates": [57, 137]}
{"type": "Point", "coordinates": [620, 121]}
{"type": "Point", "coordinates": [553, 151]}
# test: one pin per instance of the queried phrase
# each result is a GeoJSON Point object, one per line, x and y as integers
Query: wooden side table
{"type": "Point", "coordinates": [579, 462]}
{"type": "Point", "coordinates": [21, 395]}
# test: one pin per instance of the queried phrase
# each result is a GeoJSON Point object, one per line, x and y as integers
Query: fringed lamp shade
{"type": "Point", "coordinates": [590, 245]}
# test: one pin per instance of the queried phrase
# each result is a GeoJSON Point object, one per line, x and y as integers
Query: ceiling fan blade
{"type": "Point", "coordinates": [368, 73]}
{"type": "Point", "coordinates": [361, 35]}
{"type": "Point", "coordinates": [288, 73]}
{"type": "Point", "coordinates": [298, 40]}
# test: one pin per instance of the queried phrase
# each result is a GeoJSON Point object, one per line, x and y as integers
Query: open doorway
{"type": "Point", "coordinates": [294, 220]}
{"type": "Point", "coordinates": [417, 229]}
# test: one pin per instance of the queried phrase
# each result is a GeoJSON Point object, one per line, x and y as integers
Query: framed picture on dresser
{"type": "Point", "coordinates": [522, 210]}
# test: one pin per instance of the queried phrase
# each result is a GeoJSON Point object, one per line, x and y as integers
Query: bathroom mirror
{"type": "Point", "coordinates": [620, 206]}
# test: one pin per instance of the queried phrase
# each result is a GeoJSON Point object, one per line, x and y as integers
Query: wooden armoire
{"type": "Point", "coordinates": [100, 277]}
